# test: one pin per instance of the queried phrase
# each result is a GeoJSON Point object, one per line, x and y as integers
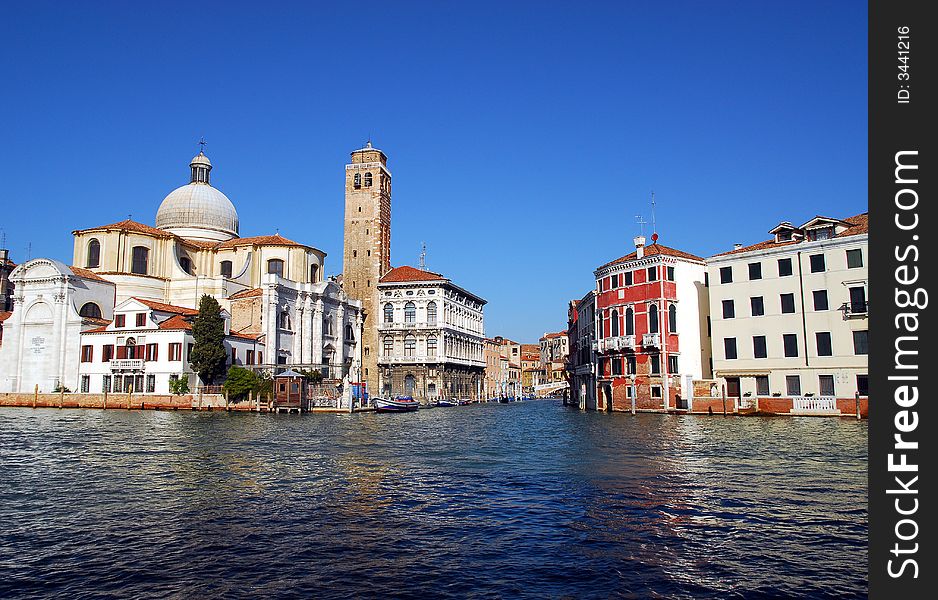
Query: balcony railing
{"type": "Point", "coordinates": [397, 325]}
{"type": "Point", "coordinates": [127, 364]}
{"type": "Point", "coordinates": [814, 404]}
{"type": "Point", "coordinates": [621, 342]}
{"type": "Point", "coordinates": [855, 309]}
{"type": "Point", "coordinates": [651, 339]}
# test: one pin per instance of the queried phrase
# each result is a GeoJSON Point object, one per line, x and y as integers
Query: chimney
{"type": "Point", "coordinates": [4, 254]}
{"type": "Point", "coordinates": [737, 246]}
{"type": "Point", "coordinates": [639, 246]}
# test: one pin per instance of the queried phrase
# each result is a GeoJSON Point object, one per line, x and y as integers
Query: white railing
{"type": "Point", "coordinates": [814, 403]}
{"type": "Point", "coordinates": [651, 339]}
{"type": "Point", "coordinates": [389, 360]}
{"type": "Point", "coordinates": [127, 364]}
{"type": "Point", "coordinates": [621, 342]}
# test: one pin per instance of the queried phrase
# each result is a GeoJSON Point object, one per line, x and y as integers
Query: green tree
{"type": "Point", "coordinates": [179, 386]}
{"type": "Point", "coordinates": [240, 382]}
{"type": "Point", "coordinates": [208, 357]}
{"type": "Point", "coordinates": [310, 375]}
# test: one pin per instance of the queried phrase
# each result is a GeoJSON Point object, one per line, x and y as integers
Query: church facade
{"type": "Point", "coordinates": [272, 288]}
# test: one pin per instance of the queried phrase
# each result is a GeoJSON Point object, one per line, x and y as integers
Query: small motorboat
{"type": "Point", "coordinates": [396, 404]}
{"type": "Point", "coordinates": [464, 401]}
{"type": "Point", "coordinates": [443, 402]}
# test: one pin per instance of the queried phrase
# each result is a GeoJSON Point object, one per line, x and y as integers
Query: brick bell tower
{"type": "Point", "coordinates": [367, 255]}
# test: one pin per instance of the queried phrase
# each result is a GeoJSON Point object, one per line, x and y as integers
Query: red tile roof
{"type": "Point", "coordinates": [653, 250]}
{"type": "Point", "coordinates": [260, 240]}
{"type": "Point", "coordinates": [248, 293]}
{"type": "Point", "coordinates": [129, 225]}
{"type": "Point", "coordinates": [405, 273]}
{"type": "Point", "coordinates": [101, 329]}
{"type": "Point", "coordinates": [170, 308]}
{"type": "Point", "coordinates": [176, 322]}
{"type": "Point", "coordinates": [95, 320]}
{"type": "Point", "coordinates": [558, 334]}
{"type": "Point", "coordinates": [858, 224]}
{"type": "Point", "coordinates": [246, 336]}
{"type": "Point", "coordinates": [86, 274]}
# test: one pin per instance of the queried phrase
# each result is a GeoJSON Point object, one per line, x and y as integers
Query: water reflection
{"type": "Point", "coordinates": [528, 499]}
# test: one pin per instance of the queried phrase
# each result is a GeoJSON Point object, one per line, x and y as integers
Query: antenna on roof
{"type": "Point", "coordinates": [641, 224]}
{"type": "Point", "coordinates": [654, 227]}
{"type": "Point", "coordinates": [3, 238]}
{"type": "Point", "coordinates": [423, 256]}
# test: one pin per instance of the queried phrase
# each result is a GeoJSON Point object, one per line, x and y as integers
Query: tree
{"type": "Point", "coordinates": [179, 386]}
{"type": "Point", "coordinates": [310, 375]}
{"type": "Point", "coordinates": [240, 382]}
{"type": "Point", "coordinates": [208, 357]}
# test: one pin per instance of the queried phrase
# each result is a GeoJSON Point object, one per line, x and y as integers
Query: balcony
{"type": "Point", "coordinates": [652, 340]}
{"type": "Point", "coordinates": [399, 326]}
{"type": "Point", "coordinates": [855, 310]}
{"type": "Point", "coordinates": [126, 364]}
{"type": "Point", "coordinates": [621, 342]}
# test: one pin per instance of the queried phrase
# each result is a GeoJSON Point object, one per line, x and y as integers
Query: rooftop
{"type": "Point", "coordinates": [405, 273]}
{"type": "Point", "coordinates": [654, 250]}
{"type": "Point", "coordinates": [856, 225]}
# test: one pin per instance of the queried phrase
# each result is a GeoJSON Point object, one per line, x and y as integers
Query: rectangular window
{"type": "Point", "coordinates": [817, 263]}
{"type": "Point", "coordinates": [825, 385]}
{"type": "Point", "coordinates": [858, 300]}
{"type": "Point", "coordinates": [793, 385]}
{"type": "Point", "coordinates": [652, 273]}
{"type": "Point", "coordinates": [630, 391]}
{"type": "Point", "coordinates": [729, 348]}
{"type": "Point", "coordinates": [188, 351]}
{"type": "Point", "coordinates": [762, 385]}
{"type": "Point", "coordinates": [628, 278]}
{"type": "Point", "coordinates": [854, 258]}
{"type": "Point", "coordinates": [119, 320]}
{"type": "Point", "coordinates": [656, 391]}
{"type": "Point", "coordinates": [617, 366]}
{"type": "Point", "coordinates": [87, 354]}
{"type": "Point", "coordinates": [85, 383]}
{"type": "Point", "coordinates": [824, 347]}
{"type": "Point", "coordinates": [820, 299]}
{"type": "Point", "coordinates": [234, 356]}
{"type": "Point", "coordinates": [106, 383]}
{"type": "Point", "coordinates": [250, 358]}
{"type": "Point", "coordinates": [175, 351]}
{"type": "Point", "coordinates": [670, 272]}
{"type": "Point", "coordinates": [758, 346]}
{"type": "Point", "coordinates": [152, 352]}
{"type": "Point", "coordinates": [630, 364]}
{"type": "Point", "coordinates": [726, 274]}
{"type": "Point", "coordinates": [141, 319]}
{"type": "Point", "coordinates": [729, 309]}
{"type": "Point", "coordinates": [861, 342]}
{"type": "Point", "coordinates": [615, 281]}
{"type": "Point", "coordinates": [790, 341]}
{"type": "Point", "coordinates": [784, 267]}
{"type": "Point", "coordinates": [655, 364]}
{"type": "Point", "coordinates": [863, 385]}
{"type": "Point", "coordinates": [757, 306]}
{"type": "Point", "coordinates": [755, 270]}
{"type": "Point", "coordinates": [151, 383]}
{"type": "Point", "coordinates": [107, 353]}
{"type": "Point", "coordinates": [788, 303]}
{"type": "Point", "coordinates": [672, 364]}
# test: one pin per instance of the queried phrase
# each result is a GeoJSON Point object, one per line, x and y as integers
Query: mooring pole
{"type": "Point", "coordinates": [724, 400]}
{"type": "Point", "coordinates": [857, 396]}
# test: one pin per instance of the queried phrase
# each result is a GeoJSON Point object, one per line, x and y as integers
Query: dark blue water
{"type": "Point", "coordinates": [488, 501]}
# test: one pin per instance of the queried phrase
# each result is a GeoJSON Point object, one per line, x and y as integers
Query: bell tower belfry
{"type": "Point", "coordinates": [367, 253]}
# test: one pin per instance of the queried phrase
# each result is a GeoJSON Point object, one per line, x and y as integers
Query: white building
{"type": "Point", "coordinates": [431, 336]}
{"type": "Point", "coordinates": [790, 314]}
{"type": "Point", "coordinates": [52, 305]}
{"type": "Point", "coordinates": [146, 345]}
{"type": "Point", "coordinates": [272, 287]}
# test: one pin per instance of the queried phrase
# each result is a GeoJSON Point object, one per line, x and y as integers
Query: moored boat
{"type": "Point", "coordinates": [397, 404]}
{"type": "Point", "coordinates": [443, 402]}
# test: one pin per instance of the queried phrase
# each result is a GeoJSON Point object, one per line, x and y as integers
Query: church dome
{"type": "Point", "coordinates": [197, 210]}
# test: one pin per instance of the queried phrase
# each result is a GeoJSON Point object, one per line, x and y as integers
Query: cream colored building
{"type": "Point", "coordinates": [789, 316]}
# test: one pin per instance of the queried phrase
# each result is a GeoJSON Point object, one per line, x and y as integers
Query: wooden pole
{"type": "Point", "coordinates": [724, 400]}
{"type": "Point", "coordinates": [130, 394]}
{"type": "Point", "coordinates": [858, 404]}
{"type": "Point", "coordinates": [35, 395]}
{"type": "Point", "coordinates": [105, 397]}
{"type": "Point", "coordinates": [61, 395]}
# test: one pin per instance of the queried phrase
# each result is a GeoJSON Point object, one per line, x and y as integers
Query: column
{"type": "Point", "coordinates": [317, 340]}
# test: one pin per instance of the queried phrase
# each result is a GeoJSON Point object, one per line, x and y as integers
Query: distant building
{"type": "Point", "coordinates": [790, 315]}
{"type": "Point", "coordinates": [494, 374]}
{"type": "Point", "coordinates": [554, 348]}
{"type": "Point", "coordinates": [651, 308]}
{"type": "Point", "coordinates": [581, 332]}
{"type": "Point", "coordinates": [432, 337]}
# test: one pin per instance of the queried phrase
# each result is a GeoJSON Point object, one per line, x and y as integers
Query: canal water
{"type": "Point", "coordinates": [487, 501]}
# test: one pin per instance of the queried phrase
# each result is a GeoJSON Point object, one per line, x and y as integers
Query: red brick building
{"type": "Point", "coordinates": [651, 316]}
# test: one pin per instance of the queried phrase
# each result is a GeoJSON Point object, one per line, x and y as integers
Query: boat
{"type": "Point", "coordinates": [442, 402]}
{"type": "Point", "coordinates": [464, 401]}
{"type": "Point", "coordinates": [504, 400]}
{"type": "Point", "coordinates": [396, 404]}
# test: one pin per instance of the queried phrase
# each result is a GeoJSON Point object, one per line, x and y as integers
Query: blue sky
{"type": "Point", "coordinates": [523, 137]}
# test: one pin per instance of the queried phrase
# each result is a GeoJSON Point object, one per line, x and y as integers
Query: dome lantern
{"type": "Point", "coordinates": [200, 166]}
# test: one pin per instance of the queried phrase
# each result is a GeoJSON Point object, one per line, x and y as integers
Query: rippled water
{"type": "Point", "coordinates": [489, 501]}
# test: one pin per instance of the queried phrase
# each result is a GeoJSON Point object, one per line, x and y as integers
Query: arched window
{"type": "Point", "coordinates": [388, 313]}
{"type": "Point", "coordinates": [140, 258]}
{"type": "Point", "coordinates": [602, 332]}
{"type": "Point", "coordinates": [186, 264]}
{"type": "Point", "coordinates": [388, 346]}
{"type": "Point", "coordinates": [226, 268]}
{"type": "Point", "coordinates": [90, 309]}
{"type": "Point", "coordinates": [313, 273]}
{"type": "Point", "coordinates": [275, 267]}
{"type": "Point", "coordinates": [614, 317]}
{"type": "Point", "coordinates": [349, 333]}
{"type": "Point", "coordinates": [284, 320]}
{"type": "Point", "coordinates": [327, 325]}
{"type": "Point", "coordinates": [652, 318]}
{"type": "Point", "coordinates": [94, 254]}
{"type": "Point", "coordinates": [431, 313]}
{"type": "Point", "coordinates": [629, 321]}
{"type": "Point", "coordinates": [410, 312]}
{"type": "Point", "coordinates": [672, 318]}
{"type": "Point", "coordinates": [410, 345]}
{"type": "Point", "coordinates": [368, 179]}
{"type": "Point", "coordinates": [358, 180]}
{"type": "Point", "coordinates": [431, 346]}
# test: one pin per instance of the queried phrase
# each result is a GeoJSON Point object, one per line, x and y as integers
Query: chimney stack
{"type": "Point", "coordinates": [737, 246]}
{"type": "Point", "coordinates": [639, 246]}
